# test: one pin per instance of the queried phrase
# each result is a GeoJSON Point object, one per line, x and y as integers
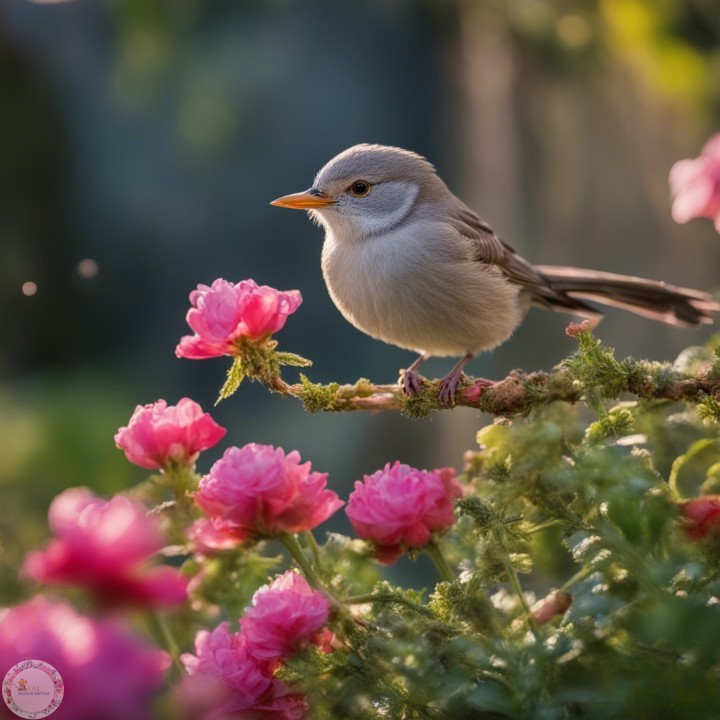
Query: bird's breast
{"type": "Point", "coordinates": [421, 291]}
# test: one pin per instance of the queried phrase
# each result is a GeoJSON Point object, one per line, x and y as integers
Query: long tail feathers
{"type": "Point", "coordinates": [650, 298]}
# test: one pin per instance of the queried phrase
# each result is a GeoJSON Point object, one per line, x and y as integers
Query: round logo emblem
{"type": "Point", "coordinates": [33, 689]}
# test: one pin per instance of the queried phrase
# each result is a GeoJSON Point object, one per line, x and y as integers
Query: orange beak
{"type": "Point", "coordinates": [307, 200]}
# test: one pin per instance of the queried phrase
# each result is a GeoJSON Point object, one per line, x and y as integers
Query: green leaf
{"type": "Point", "coordinates": [235, 375]}
{"type": "Point", "coordinates": [288, 358]}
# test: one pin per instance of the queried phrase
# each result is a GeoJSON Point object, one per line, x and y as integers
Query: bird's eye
{"type": "Point", "coordinates": [360, 188]}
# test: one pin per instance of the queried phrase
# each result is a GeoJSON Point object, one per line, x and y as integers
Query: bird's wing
{"type": "Point", "coordinates": [490, 249]}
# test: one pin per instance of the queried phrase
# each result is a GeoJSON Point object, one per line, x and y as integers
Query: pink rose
{"type": "Point", "coordinates": [104, 546]}
{"type": "Point", "coordinates": [285, 615]}
{"type": "Point", "coordinates": [209, 534]}
{"type": "Point", "coordinates": [224, 313]}
{"type": "Point", "coordinates": [226, 681]}
{"type": "Point", "coordinates": [400, 507]}
{"type": "Point", "coordinates": [162, 434]}
{"type": "Point", "coordinates": [695, 185]}
{"type": "Point", "coordinates": [701, 516]}
{"type": "Point", "coordinates": [108, 673]}
{"type": "Point", "coordinates": [258, 490]}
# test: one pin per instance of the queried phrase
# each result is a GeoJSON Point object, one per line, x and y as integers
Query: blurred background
{"type": "Point", "coordinates": [142, 140]}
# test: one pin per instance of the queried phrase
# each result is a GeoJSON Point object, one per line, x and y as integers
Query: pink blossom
{"type": "Point", "coordinates": [695, 185]}
{"type": "Point", "coordinates": [284, 615]}
{"type": "Point", "coordinates": [701, 517]}
{"type": "Point", "coordinates": [258, 490]}
{"type": "Point", "coordinates": [104, 545]}
{"type": "Point", "coordinates": [210, 534]}
{"type": "Point", "coordinates": [400, 507]}
{"type": "Point", "coordinates": [224, 314]}
{"type": "Point", "coordinates": [226, 681]}
{"type": "Point", "coordinates": [108, 673]}
{"type": "Point", "coordinates": [160, 434]}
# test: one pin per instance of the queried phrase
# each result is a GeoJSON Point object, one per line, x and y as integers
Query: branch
{"type": "Point", "coordinates": [517, 394]}
{"type": "Point", "coordinates": [592, 374]}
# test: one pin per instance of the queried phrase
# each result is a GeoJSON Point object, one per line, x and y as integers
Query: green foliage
{"type": "Point", "coordinates": [317, 397]}
{"type": "Point", "coordinates": [228, 580]}
{"type": "Point", "coordinates": [259, 360]}
{"type": "Point", "coordinates": [549, 494]}
{"type": "Point", "coordinates": [571, 500]}
{"type": "Point", "coordinates": [709, 408]}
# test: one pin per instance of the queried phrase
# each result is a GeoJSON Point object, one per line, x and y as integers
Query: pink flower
{"type": "Point", "coordinates": [158, 434]}
{"type": "Point", "coordinates": [400, 507]}
{"type": "Point", "coordinates": [701, 516]}
{"type": "Point", "coordinates": [104, 545]}
{"type": "Point", "coordinates": [695, 185]}
{"type": "Point", "coordinates": [258, 490]}
{"type": "Point", "coordinates": [285, 615]}
{"type": "Point", "coordinates": [210, 534]}
{"type": "Point", "coordinates": [226, 681]}
{"type": "Point", "coordinates": [107, 672]}
{"type": "Point", "coordinates": [223, 314]}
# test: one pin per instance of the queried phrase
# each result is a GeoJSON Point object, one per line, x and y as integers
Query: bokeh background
{"type": "Point", "coordinates": [142, 140]}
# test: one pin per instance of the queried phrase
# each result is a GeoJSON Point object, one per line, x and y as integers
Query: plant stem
{"type": "Point", "coordinates": [313, 547]}
{"type": "Point", "coordinates": [181, 480]}
{"type": "Point", "coordinates": [543, 526]}
{"type": "Point", "coordinates": [293, 547]}
{"type": "Point", "coordinates": [516, 586]}
{"type": "Point", "coordinates": [695, 449]}
{"type": "Point", "coordinates": [170, 644]}
{"type": "Point", "coordinates": [441, 564]}
{"type": "Point", "coordinates": [579, 575]}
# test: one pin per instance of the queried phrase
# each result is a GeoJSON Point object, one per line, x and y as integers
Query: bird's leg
{"type": "Point", "coordinates": [449, 383]}
{"type": "Point", "coordinates": [410, 380]}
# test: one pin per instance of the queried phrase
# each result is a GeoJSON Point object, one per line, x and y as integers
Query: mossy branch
{"type": "Point", "coordinates": [517, 394]}
{"type": "Point", "coordinates": [591, 374]}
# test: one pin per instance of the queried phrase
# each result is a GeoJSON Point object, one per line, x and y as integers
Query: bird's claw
{"type": "Point", "coordinates": [411, 383]}
{"type": "Point", "coordinates": [448, 387]}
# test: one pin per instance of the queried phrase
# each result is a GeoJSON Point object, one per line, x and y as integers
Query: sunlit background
{"type": "Point", "coordinates": [142, 140]}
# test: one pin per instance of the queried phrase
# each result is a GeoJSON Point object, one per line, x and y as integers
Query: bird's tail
{"type": "Point", "coordinates": [650, 298]}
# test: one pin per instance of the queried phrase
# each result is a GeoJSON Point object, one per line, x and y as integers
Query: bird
{"type": "Point", "coordinates": [407, 262]}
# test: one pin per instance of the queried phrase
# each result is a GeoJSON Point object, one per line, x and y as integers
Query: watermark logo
{"type": "Point", "coordinates": [33, 689]}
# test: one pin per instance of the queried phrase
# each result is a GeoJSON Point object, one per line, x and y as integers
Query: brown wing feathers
{"type": "Point", "coordinates": [650, 298]}
{"type": "Point", "coordinates": [566, 288]}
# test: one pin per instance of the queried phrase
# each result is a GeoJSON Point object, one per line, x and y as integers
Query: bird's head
{"type": "Point", "coordinates": [366, 190]}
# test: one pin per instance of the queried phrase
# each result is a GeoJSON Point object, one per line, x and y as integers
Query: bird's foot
{"type": "Point", "coordinates": [449, 384]}
{"type": "Point", "coordinates": [448, 387]}
{"type": "Point", "coordinates": [411, 383]}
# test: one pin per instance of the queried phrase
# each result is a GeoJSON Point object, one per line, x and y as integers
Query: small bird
{"type": "Point", "coordinates": [407, 262]}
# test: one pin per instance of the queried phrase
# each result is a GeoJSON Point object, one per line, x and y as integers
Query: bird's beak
{"type": "Point", "coordinates": [307, 200]}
